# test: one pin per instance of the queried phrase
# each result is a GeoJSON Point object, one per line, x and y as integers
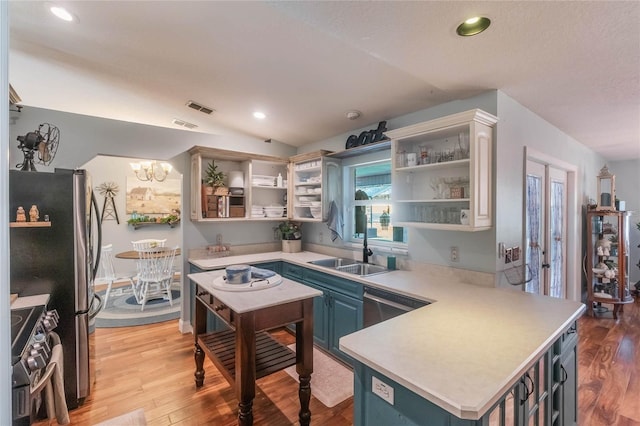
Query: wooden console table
{"type": "Point", "coordinates": [246, 352]}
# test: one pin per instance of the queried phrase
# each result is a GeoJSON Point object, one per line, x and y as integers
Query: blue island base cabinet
{"type": "Point", "coordinates": [393, 404]}
{"type": "Point", "coordinates": [546, 395]}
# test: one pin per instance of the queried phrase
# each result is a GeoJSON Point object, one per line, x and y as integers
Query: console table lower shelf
{"type": "Point", "coordinates": [271, 356]}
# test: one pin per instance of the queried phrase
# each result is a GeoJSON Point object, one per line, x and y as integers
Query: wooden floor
{"type": "Point", "coordinates": [152, 367]}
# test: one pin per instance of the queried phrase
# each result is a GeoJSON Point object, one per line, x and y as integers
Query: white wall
{"type": "Point", "coordinates": [627, 183]}
{"type": "Point", "coordinates": [429, 246]}
{"type": "Point", "coordinates": [83, 137]}
{"type": "Point", "coordinates": [5, 317]}
{"type": "Point", "coordinates": [519, 128]}
{"type": "Point", "coordinates": [117, 170]}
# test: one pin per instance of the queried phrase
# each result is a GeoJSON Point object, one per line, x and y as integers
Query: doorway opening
{"type": "Point", "coordinates": [551, 226]}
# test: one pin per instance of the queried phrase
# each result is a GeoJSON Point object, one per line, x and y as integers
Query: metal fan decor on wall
{"type": "Point", "coordinates": [109, 191]}
{"type": "Point", "coordinates": [44, 140]}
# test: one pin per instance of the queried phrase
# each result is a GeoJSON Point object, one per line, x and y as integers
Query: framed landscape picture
{"type": "Point", "coordinates": [153, 198]}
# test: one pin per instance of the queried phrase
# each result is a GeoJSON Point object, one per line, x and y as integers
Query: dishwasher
{"type": "Point", "coordinates": [381, 305]}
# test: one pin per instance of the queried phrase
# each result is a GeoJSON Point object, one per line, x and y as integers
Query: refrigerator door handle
{"type": "Point", "coordinates": [94, 206]}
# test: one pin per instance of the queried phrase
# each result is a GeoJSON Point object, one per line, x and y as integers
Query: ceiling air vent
{"type": "Point", "coordinates": [199, 107]}
{"type": "Point", "coordinates": [183, 123]}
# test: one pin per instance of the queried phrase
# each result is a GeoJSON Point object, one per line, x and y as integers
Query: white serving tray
{"type": "Point", "coordinates": [220, 283]}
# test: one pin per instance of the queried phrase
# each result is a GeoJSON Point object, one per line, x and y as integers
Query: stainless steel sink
{"type": "Point", "coordinates": [334, 262]}
{"type": "Point", "coordinates": [350, 266]}
{"type": "Point", "coordinates": [362, 269]}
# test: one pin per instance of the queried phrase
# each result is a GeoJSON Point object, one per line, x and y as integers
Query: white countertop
{"type": "Point", "coordinates": [247, 301]}
{"type": "Point", "coordinates": [25, 302]}
{"type": "Point", "coordinates": [463, 351]}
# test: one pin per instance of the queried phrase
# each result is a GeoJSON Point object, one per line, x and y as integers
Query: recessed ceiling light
{"type": "Point", "coordinates": [61, 13]}
{"type": "Point", "coordinates": [473, 26]}
{"type": "Point", "coordinates": [260, 115]}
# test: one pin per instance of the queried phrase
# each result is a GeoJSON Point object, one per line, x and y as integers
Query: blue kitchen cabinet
{"type": "Point", "coordinates": [545, 395]}
{"type": "Point", "coordinates": [337, 313]}
{"type": "Point", "coordinates": [272, 266]}
{"type": "Point", "coordinates": [320, 317]}
{"type": "Point", "coordinates": [293, 272]}
{"type": "Point", "coordinates": [565, 379]}
{"type": "Point", "coordinates": [346, 313]}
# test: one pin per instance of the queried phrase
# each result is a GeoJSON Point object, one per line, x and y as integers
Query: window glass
{"type": "Point", "coordinates": [371, 198]}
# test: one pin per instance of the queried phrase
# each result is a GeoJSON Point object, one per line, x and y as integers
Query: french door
{"type": "Point", "coordinates": [546, 229]}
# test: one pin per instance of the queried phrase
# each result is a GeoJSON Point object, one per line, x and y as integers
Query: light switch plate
{"type": "Point", "coordinates": [382, 389]}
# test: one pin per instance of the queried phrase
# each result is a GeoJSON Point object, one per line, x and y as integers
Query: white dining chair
{"type": "Point", "coordinates": [148, 243]}
{"type": "Point", "coordinates": [155, 274]}
{"type": "Point", "coordinates": [109, 274]}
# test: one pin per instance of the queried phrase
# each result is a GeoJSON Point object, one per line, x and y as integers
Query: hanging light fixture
{"type": "Point", "coordinates": [151, 170]}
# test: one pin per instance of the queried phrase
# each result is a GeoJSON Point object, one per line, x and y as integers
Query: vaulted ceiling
{"type": "Point", "coordinates": [305, 64]}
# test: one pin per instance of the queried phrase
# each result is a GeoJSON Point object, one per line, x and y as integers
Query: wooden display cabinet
{"type": "Point", "coordinates": [607, 261]}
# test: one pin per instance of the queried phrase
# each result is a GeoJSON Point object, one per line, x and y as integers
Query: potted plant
{"type": "Point", "coordinates": [385, 219]}
{"type": "Point", "coordinates": [291, 237]}
{"type": "Point", "coordinates": [213, 177]}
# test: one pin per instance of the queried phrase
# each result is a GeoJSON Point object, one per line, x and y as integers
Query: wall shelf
{"type": "Point", "coordinates": [29, 224]}
{"type": "Point", "coordinates": [144, 224]}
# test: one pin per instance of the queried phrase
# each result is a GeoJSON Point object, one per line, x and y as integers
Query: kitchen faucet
{"type": "Point", "coordinates": [366, 251]}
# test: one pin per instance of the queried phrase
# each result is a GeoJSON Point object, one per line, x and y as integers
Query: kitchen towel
{"type": "Point", "coordinates": [259, 273]}
{"type": "Point", "coordinates": [334, 221]}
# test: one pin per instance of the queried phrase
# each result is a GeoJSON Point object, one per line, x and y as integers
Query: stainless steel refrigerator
{"type": "Point", "coordinates": [60, 259]}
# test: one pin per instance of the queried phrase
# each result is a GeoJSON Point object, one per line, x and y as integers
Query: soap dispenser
{"type": "Point", "coordinates": [279, 180]}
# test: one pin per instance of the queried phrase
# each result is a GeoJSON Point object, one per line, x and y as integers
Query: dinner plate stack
{"type": "Point", "coordinates": [262, 180]}
{"type": "Point", "coordinates": [257, 211]}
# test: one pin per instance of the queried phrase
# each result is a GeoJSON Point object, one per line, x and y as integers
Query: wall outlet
{"type": "Point", "coordinates": [455, 255]}
{"type": "Point", "coordinates": [382, 389]}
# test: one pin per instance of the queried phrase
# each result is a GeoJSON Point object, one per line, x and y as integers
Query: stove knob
{"type": "Point", "coordinates": [36, 362]}
{"type": "Point", "coordinates": [49, 323]}
{"type": "Point", "coordinates": [42, 348]}
{"type": "Point", "coordinates": [53, 316]}
{"type": "Point", "coordinates": [53, 313]}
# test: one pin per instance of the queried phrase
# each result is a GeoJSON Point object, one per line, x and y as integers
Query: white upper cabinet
{"type": "Point", "coordinates": [441, 172]}
{"type": "Point", "coordinates": [255, 186]}
{"type": "Point", "coordinates": [315, 182]}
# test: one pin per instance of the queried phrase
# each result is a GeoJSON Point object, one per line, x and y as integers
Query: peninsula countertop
{"type": "Point", "coordinates": [464, 350]}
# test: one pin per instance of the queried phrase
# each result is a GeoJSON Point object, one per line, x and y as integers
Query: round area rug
{"type": "Point", "coordinates": [123, 310]}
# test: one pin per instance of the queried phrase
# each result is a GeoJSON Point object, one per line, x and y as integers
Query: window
{"type": "Point", "coordinates": [370, 192]}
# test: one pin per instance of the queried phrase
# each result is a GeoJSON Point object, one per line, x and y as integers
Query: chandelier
{"type": "Point", "coordinates": [151, 170]}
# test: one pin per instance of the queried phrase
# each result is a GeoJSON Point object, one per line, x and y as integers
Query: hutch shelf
{"type": "Point", "coordinates": [607, 261]}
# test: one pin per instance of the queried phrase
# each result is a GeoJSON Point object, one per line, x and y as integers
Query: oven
{"type": "Point", "coordinates": [30, 354]}
{"type": "Point", "coordinates": [381, 305]}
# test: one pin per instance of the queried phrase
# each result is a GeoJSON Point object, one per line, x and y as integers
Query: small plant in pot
{"type": "Point", "coordinates": [213, 177]}
{"type": "Point", "coordinates": [291, 237]}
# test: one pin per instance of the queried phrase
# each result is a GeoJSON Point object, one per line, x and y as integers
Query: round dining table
{"type": "Point", "coordinates": [132, 254]}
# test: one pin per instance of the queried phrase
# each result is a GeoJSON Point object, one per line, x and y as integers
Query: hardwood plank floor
{"type": "Point", "coordinates": [152, 367]}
